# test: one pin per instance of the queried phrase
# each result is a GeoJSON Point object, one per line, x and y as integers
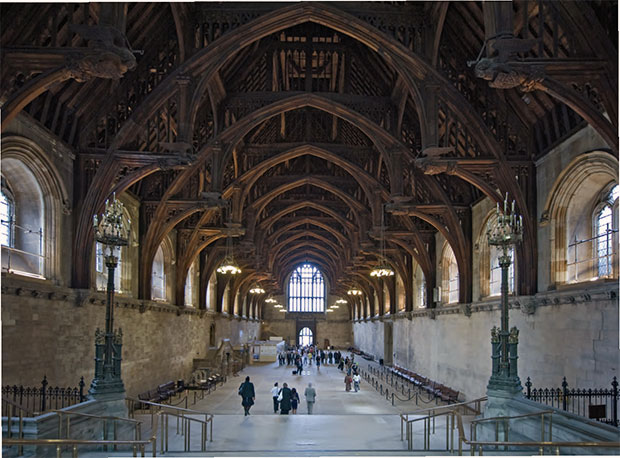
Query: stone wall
{"type": "Point", "coordinates": [573, 333]}
{"type": "Point", "coordinates": [50, 331]}
{"type": "Point", "coordinates": [335, 326]}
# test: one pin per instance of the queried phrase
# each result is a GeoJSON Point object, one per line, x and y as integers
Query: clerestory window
{"type": "Point", "coordinates": [603, 235]}
{"type": "Point", "coordinates": [7, 216]}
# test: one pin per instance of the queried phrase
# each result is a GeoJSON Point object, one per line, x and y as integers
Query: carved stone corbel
{"type": "Point", "coordinates": [529, 306]}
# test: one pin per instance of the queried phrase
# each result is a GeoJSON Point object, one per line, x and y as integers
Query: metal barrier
{"type": "Point", "coordinates": [428, 417]}
{"type": "Point", "coordinates": [137, 444]}
{"type": "Point", "coordinates": [600, 404]}
{"type": "Point", "coordinates": [416, 394]}
{"type": "Point", "coordinates": [541, 445]}
{"type": "Point", "coordinates": [37, 400]}
{"type": "Point", "coordinates": [64, 417]}
{"type": "Point", "coordinates": [180, 413]}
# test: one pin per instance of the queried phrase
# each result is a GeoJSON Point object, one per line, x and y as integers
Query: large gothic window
{"type": "Point", "coordinates": [603, 234]}
{"type": "Point", "coordinates": [158, 281]}
{"type": "Point", "coordinates": [306, 290]}
{"type": "Point", "coordinates": [495, 277]}
{"type": "Point", "coordinates": [22, 211]}
{"type": "Point", "coordinates": [450, 276]}
{"type": "Point", "coordinates": [7, 215]}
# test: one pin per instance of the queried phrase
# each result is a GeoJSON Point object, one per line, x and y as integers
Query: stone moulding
{"type": "Point", "coordinates": [527, 304]}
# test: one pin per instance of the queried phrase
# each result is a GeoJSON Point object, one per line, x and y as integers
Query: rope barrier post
{"type": "Point", "coordinates": [166, 426]}
{"type": "Point", "coordinates": [20, 448]}
{"type": "Point", "coordinates": [409, 436]}
{"type": "Point", "coordinates": [161, 433]}
{"type": "Point", "coordinates": [452, 433]}
{"type": "Point", "coordinates": [447, 432]}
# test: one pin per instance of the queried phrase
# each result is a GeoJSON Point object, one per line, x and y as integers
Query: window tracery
{"type": "Point", "coordinates": [306, 290]}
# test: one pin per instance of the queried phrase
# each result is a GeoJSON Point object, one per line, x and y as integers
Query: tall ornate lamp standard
{"type": "Point", "coordinates": [505, 379]}
{"type": "Point", "coordinates": [112, 233]}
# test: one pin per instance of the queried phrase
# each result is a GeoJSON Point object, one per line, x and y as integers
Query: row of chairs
{"type": "Point", "coordinates": [443, 392]}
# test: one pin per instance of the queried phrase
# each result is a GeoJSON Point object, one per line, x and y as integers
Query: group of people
{"type": "Point", "coordinates": [352, 375]}
{"type": "Point", "coordinates": [304, 356]}
{"type": "Point", "coordinates": [285, 398]}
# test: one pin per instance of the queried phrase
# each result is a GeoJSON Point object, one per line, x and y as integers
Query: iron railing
{"type": "Point", "coordinates": [37, 400]}
{"type": "Point", "coordinates": [597, 404]}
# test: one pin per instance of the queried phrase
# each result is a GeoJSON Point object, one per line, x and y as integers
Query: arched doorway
{"type": "Point", "coordinates": [305, 336]}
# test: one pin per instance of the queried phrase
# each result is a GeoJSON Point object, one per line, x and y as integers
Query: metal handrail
{"type": "Point", "coordinates": [168, 406]}
{"type": "Point", "coordinates": [504, 420]}
{"type": "Point", "coordinates": [176, 410]}
{"type": "Point", "coordinates": [539, 444]}
{"type": "Point", "coordinates": [59, 443]}
{"type": "Point", "coordinates": [533, 414]}
{"type": "Point", "coordinates": [101, 417]}
{"type": "Point", "coordinates": [429, 423]}
{"type": "Point", "coordinates": [27, 412]}
{"type": "Point", "coordinates": [448, 406]}
{"type": "Point", "coordinates": [186, 431]}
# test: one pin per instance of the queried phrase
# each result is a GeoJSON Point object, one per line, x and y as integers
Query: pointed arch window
{"type": "Point", "coordinates": [450, 276]}
{"type": "Point", "coordinates": [495, 278]}
{"type": "Point", "coordinates": [306, 290]}
{"type": "Point", "coordinates": [603, 234]}
{"type": "Point", "coordinates": [158, 281]}
{"type": "Point", "coordinates": [7, 215]}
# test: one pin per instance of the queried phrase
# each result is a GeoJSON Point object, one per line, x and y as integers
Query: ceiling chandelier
{"type": "Point", "coordinates": [335, 306]}
{"type": "Point", "coordinates": [256, 289]}
{"type": "Point", "coordinates": [329, 310]}
{"type": "Point", "coordinates": [354, 292]}
{"type": "Point", "coordinates": [341, 301]}
{"type": "Point", "coordinates": [229, 266]}
{"type": "Point", "coordinates": [270, 300]}
{"type": "Point", "coordinates": [382, 270]}
{"type": "Point", "coordinates": [278, 306]}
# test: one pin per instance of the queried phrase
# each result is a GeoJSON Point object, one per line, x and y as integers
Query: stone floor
{"type": "Point", "coordinates": [344, 423]}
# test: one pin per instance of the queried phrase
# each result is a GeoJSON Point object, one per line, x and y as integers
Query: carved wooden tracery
{"type": "Point", "coordinates": [301, 124]}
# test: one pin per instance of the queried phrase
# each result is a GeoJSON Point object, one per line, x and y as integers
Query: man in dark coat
{"type": "Point", "coordinates": [285, 403]}
{"type": "Point", "coordinates": [246, 391]}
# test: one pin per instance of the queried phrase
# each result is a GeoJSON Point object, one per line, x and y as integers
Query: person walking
{"type": "Point", "coordinates": [285, 399]}
{"type": "Point", "coordinates": [347, 382]}
{"type": "Point", "coordinates": [356, 382]}
{"type": "Point", "coordinates": [310, 395]}
{"type": "Point", "coordinates": [318, 362]}
{"type": "Point", "coordinates": [246, 391]}
{"type": "Point", "coordinates": [294, 400]}
{"type": "Point", "coordinates": [275, 392]}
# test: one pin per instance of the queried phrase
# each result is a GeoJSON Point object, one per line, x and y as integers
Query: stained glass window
{"type": "Point", "coordinates": [306, 290]}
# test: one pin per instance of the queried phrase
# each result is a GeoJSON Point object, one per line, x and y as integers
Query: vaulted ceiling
{"type": "Point", "coordinates": [302, 129]}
